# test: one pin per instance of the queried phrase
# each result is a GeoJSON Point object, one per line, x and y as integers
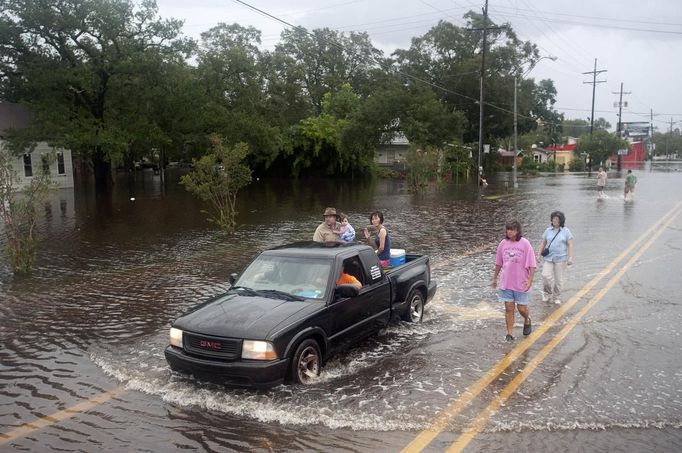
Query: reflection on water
{"type": "Point", "coordinates": [113, 272]}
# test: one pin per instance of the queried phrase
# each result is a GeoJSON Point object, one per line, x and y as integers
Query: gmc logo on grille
{"type": "Point", "coordinates": [216, 346]}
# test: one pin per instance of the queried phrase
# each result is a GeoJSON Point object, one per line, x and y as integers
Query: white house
{"type": "Point", "coordinates": [43, 158]}
{"type": "Point", "coordinates": [539, 155]}
{"type": "Point", "coordinates": [393, 152]}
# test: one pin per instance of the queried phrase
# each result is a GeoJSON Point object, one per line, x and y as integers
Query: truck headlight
{"type": "Point", "coordinates": [176, 337]}
{"type": "Point", "coordinates": [258, 350]}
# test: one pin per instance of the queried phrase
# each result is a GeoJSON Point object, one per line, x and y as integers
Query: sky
{"type": "Point", "coordinates": [637, 42]}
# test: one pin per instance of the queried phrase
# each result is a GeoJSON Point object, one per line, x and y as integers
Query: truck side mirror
{"type": "Point", "coordinates": [233, 278]}
{"type": "Point", "coordinates": [347, 291]}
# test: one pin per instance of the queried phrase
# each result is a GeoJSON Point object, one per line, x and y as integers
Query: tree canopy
{"type": "Point", "coordinates": [114, 82]}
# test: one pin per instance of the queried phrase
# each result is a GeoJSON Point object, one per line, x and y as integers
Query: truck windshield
{"type": "Point", "coordinates": [299, 277]}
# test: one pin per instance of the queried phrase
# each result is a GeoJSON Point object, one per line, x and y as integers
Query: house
{"type": "Point", "coordinates": [43, 157]}
{"type": "Point", "coordinates": [633, 157]}
{"type": "Point", "coordinates": [539, 155]}
{"type": "Point", "coordinates": [562, 154]}
{"type": "Point", "coordinates": [507, 157]}
{"type": "Point", "coordinates": [392, 153]}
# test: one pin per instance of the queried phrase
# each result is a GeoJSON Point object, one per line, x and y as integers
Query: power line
{"type": "Point", "coordinates": [608, 19]}
{"type": "Point", "coordinates": [418, 79]}
{"type": "Point", "coordinates": [615, 27]}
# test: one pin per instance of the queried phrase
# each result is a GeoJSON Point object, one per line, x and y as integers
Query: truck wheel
{"type": "Point", "coordinates": [305, 365]}
{"type": "Point", "coordinates": [415, 307]}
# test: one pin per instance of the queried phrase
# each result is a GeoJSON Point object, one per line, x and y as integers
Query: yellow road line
{"type": "Point", "coordinates": [48, 420]}
{"type": "Point", "coordinates": [440, 422]}
{"type": "Point", "coordinates": [482, 419]}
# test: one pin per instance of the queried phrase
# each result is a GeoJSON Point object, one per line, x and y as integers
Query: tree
{"type": "Point", "coordinates": [64, 59]}
{"type": "Point", "coordinates": [449, 57]}
{"type": "Point", "coordinates": [217, 178]}
{"type": "Point", "coordinates": [323, 60]}
{"type": "Point", "coordinates": [422, 167]}
{"type": "Point", "coordinates": [18, 212]}
{"type": "Point", "coordinates": [668, 143]}
{"type": "Point", "coordinates": [575, 127]}
{"type": "Point", "coordinates": [578, 127]}
{"type": "Point", "coordinates": [231, 69]}
{"type": "Point", "coordinates": [318, 139]}
{"type": "Point", "coordinates": [600, 145]}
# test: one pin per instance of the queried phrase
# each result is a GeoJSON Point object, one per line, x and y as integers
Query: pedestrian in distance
{"type": "Point", "coordinates": [515, 265]}
{"type": "Point", "coordinates": [601, 182]}
{"type": "Point", "coordinates": [630, 182]}
{"type": "Point", "coordinates": [328, 231]}
{"type": "Point", "coordinates": [556, 250]}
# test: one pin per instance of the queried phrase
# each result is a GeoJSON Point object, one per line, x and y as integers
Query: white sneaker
{"type": "Point", "coordinates": [557, 301]}
{"type": "Point", "coordinates": [545, 297]}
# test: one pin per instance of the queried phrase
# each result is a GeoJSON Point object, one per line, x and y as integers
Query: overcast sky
{"type": "Point", "coordinates": [638, 42]}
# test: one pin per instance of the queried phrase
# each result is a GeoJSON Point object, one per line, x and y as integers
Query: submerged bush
{"type": "Point", "coordinates": [18, 212]}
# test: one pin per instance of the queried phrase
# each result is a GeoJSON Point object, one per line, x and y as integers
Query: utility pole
{"type": "Point", "coordinates": [620, 122]}
{"type": "Point", "coordinates": [480, 110]}
{"type": "Point", "coordinates": [652, 150]}
{"type": "Point", "coordinates": [594, 83]}
{"type": "Point", "coordinates": [670, 137]}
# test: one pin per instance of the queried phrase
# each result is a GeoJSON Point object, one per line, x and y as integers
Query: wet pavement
{"type": "Point", "coordinates": [112, 274]}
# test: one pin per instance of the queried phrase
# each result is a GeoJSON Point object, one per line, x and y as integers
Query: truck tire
{"type": "Point", "coordinates": [415, 307]}
{"type": "Point", "coordinates": [306, 362]}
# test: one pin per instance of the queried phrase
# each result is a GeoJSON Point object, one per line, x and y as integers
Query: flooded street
{"type": "Point", "coordinates": [92, 322]}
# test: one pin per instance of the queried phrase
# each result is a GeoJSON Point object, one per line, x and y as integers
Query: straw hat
{"type": "Point", "coordinates": [330, 211]}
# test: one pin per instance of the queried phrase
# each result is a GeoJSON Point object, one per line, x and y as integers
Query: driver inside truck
{"type": "Point", "coordinates": [347, 279]}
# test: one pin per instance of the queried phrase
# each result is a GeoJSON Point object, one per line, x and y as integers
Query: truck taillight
{"type": "Point", "coordinates": [428, 266]}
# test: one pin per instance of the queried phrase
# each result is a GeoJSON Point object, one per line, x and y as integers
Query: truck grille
{"type": "Point", "coordinates": [218, 347]}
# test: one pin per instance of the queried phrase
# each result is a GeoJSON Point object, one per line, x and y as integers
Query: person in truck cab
{"type": "Point", "coordinates": [347, 279]}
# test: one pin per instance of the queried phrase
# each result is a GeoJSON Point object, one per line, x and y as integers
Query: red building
{"type": "Point", "coordinates": [634, 158]}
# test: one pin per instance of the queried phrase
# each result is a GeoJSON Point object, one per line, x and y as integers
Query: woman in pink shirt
{"type": "Point", "coordinates": [515, 261]}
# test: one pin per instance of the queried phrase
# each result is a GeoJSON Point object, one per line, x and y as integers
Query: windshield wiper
{"type": "Point", "coordinates": [281, 294]}
{"type": "Point", "coordinates": [243, 290]}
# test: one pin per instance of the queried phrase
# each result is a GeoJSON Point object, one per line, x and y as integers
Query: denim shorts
{"type": "Point", "coordinates": [509, 295]}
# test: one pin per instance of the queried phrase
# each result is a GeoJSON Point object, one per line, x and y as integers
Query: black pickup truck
{"type": "Point", "coordinates": [285, 316]}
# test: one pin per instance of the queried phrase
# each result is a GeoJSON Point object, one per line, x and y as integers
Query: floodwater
{"type": "Point", "coordinates": [113, 273]}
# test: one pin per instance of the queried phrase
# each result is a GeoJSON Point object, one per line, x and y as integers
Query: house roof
{"type": "Point", "coordinates": [505, 153]}
{"type": "Point", "coordinates": [395, 138]}
{"type": "Point", "coordinates": [559, 148]}
{"type": "Point", "coordinates": [13, 116]}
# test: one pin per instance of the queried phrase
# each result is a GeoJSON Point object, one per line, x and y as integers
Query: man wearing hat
{"type": "Point", "coordinates": [328, 231]}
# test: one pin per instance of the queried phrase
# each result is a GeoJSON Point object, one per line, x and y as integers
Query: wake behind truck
{"type": "Point", "coordinates": [284, 316]}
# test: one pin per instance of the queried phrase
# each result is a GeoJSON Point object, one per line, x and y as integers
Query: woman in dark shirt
{"type": "Point", "coordinates": [381, 242]}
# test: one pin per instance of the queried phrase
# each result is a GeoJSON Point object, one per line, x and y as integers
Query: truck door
{"type": "Point", "coordinates": [352, 317]}
{"type": "Point", "coordinates": [378, 289]}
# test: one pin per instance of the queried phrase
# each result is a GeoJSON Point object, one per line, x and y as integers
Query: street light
{"type": "Point", "coordinates": [516, 146]}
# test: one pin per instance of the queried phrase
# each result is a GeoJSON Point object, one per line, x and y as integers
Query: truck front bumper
{"type": "Point", "coordinates": [238, 373]}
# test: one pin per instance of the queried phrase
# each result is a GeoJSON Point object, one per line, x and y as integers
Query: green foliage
{"type": "Point", "coordinates": [579, 127]}
{"type": "Point", "coordinates": [577, 165]}
{"type": "Point", "coordinates": [600, 146]}
{"type": "Point", "coordinates": [115, 83]}
{"type": "Point", "coordinates": [323, 60]}
{"type": "Point", "coordinates": [669, 143]}
{"type": "Point", "coordinates": [421, 166]}
{"type": "Point", "coordinates": [18, 212]}
{"type": "Point", "coordinates": [217, 178]}
{"type": "Point", "coordinates": [456, 162]}
{"type": "Point", "coordinates": [78, 65]}
{"type": "Point", "coordinates": [533, 168]}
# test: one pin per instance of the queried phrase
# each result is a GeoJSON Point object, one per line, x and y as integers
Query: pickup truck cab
{"type": "Point", "coordinates": [284, 316]}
